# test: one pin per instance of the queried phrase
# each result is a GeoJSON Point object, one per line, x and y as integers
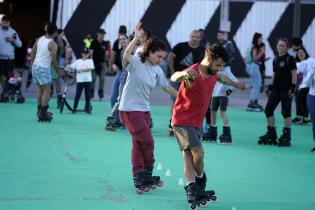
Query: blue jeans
{"type": "Point", "coordinates": [115, 92]}
{"type": "Point", "coordinates": [311, 109]}
{"type": "Point", "coordinates": [252, 70]}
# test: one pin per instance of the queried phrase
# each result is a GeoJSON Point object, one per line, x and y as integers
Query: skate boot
{"type": "Point", "coordinates": [270, 137]}
{"type": "Point", "coordinates": [4, 98]}
{"type": "Point", "coordinates": [211, 135]}
{"type": "Point", "coordinates": [170, 129]}
{"type": "Point", "coordinates": [156, 179]}
{"type": "Point", "coordinates": [110, 124]}
{"type": "Point", "coordinates": [196, 197]}
{"type": "Point", "coordinates": [226, 137]}
{"type": "Point", "coordinates": [44, 115]}
{"type": "Point", "coordinates": [139, 183]}
{"type": "Point", "coordinates": [59, 101]}
{"type": "Point", "coordinates": [20, 99]}
{"type": "Point", "coordinates": [285, 138]}
{"type": "Point", "coordinates": [201, 182]}
{"type": "Point", "coordinates": [100, 94]}
{"type": "Point", "coordinates": [253, 106]}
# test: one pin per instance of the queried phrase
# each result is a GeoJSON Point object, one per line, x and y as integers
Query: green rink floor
{"type": "Point", "coordinates": [72, 163]}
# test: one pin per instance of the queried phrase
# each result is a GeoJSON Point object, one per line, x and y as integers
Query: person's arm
{"type": "Point", "coordinates": [170, 59]}
{"type": "Point", "coordinates": [256, 55]}
{"type": "Point", "coordinates": [293, 82]}
{"type": "Point", "coordinates": [112, 60]}
{"type": "Point", "coordinates": [17, 41]}
{"type": "Point", "coordinates": [225, 80]}
{"type": "Point", "coordinates": [33, 52]}
{"type": "Point", "coordinates": [128, 51]}
{"type": "Point", "coordinates": [52, 47]}
{"type": "Point", "coordinates": [170, 90]}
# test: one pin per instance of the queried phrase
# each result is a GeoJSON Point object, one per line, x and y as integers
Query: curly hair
{"type": "Point", "coordinates": [217, 51]}
{"type": "Point", "coordinates": [152, 45]}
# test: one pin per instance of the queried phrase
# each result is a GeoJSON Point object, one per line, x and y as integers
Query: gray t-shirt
{"type": "Point", "coordinates": [141, 79]}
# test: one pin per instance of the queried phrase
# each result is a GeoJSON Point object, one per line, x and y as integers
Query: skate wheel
{"type": "Point", "coordinates": [203, 203]}
{"type": "Point", "coordinates": [192, 206]}
{"type": "Point", "coordinates": [152, 187]}
{"type": "Point", "coordinates": [213, 199]}
{"type": "Point", "coordinates": [139, 191]}
{"type": "Point", "coordinates": [147, 189]}
{"type": "Point", "coordinates": [259, 142]}
{"type": "Point", "coordinates": [160, 183]}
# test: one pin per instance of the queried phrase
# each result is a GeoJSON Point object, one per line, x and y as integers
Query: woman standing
{"type": "Point", "coordinates": [303, 67]}
{"type": "Point", "coordinates": [112, 121]}
{"type": "Point", "coordinates": [281, 89]}
{"type": "Point", "coordinates": [257, 54]}
{"type": "Point", "coordinates": [144, 74]}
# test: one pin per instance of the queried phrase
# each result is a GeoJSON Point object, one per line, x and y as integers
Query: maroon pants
{"type": "Point", "coordinates": [138, 125]}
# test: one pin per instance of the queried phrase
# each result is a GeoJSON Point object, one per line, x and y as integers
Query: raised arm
{"type": "Point", "coordinates": [131, 46]}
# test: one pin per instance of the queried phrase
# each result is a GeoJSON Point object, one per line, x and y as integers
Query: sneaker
{"type": "Point", "coordinates": [297, 120]}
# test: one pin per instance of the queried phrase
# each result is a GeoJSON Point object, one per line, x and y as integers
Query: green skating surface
{"type": "Point", "coordinates": [74, 164]}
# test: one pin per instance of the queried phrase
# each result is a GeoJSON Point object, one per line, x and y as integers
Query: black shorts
{"type": "Point", "coordinates": [220, 101]}
{"type": "Point", "coordinates": [187, 137]}
{"type": "Point", "coordinates": [6, 66]}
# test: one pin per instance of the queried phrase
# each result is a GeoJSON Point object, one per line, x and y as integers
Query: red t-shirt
{"type": "Point", "coordinates": [192, 103]}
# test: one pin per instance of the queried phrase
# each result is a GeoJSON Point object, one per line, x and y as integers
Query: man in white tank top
{"type": "Point", "coordinates": [43, 55]}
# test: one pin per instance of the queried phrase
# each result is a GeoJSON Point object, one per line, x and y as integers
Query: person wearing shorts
{"type": "Point", "coordinates": [190, 107]}
{"type": "Point", "coordinates": [43, 55]}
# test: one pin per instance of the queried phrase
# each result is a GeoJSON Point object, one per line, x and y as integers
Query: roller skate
{"type": "Point", "coordinates": [226, 137]}
{"type": "Point", "coordinates": [100, 94]}
{"type": "Point", "coordinates": [253, 106]}
{"type": "Point", "coordinates": [269, 138]}
{"type": "Point", "coordinates": [4, 98]}
{"type": "Point", "coordinates": [201, 183]}
{"type": "Point", "coordinates": [111, 124]}
{"type": "Point", "coordinates": [59, 101]}
{"type": "Point", "coordinates": [20, 99]}
{"type": "Point", "coordinates": [211, 135]}
{"type": "Point", "coordinates": [285, 138]}
{"type": "Point", "coordinates": [44, 115]}
{"type": "Point", "coordinates": [156, 179]}
{"type": "Point", "coordinates": [138, 180]}
{"type": "Point", "coordinates": [198, 198]}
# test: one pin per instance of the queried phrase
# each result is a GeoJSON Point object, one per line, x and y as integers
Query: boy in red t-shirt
{"type": "Point", "coordinates": [197, 83]}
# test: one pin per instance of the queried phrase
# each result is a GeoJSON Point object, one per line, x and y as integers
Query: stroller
{"type": "Point", "coordinates": [69, 79]}
{"type": "Point", "coordinates": [13, 89]}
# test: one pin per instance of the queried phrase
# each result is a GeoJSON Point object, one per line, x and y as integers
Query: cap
{"type": "Point", "coordinates": [122, 29]}
{"type": "Point", "coordinates": [101, 31]}
{"type": "Point", "coordinates": [85, 50]}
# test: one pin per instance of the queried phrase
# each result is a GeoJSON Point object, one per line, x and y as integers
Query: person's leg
{"type": "Point", "coordinates": [46, 95]}
{"type": "Point", "coordinates": [286, 103]}
{"type": "Point", "coordinates": [78, 93]}
{"type": "Point", "coordinates": [213, 118]}
{"type": "Point", "coordinates": [272, 103]}
{"type": "Point", "coordinates": [87, 91]}
{"type": "Point", "coordinates": [40, 92]}
{"type": "Point", "coordinates": [189, 170]}
{"type": "Point", "coordinates": [224, 118]}
{"type": "Point", "coordinates": [304, 93]}
{"type": "Point", "coordinates": [255, 81]}
{"type": "Point", "coordinates": [311, 109]}
{"type": "Point", "coordinates": [115, 89]}
{"type": "Point", "coordinates": [102, 80]}
{"type": "Point", "coordinates": [93, 81]}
